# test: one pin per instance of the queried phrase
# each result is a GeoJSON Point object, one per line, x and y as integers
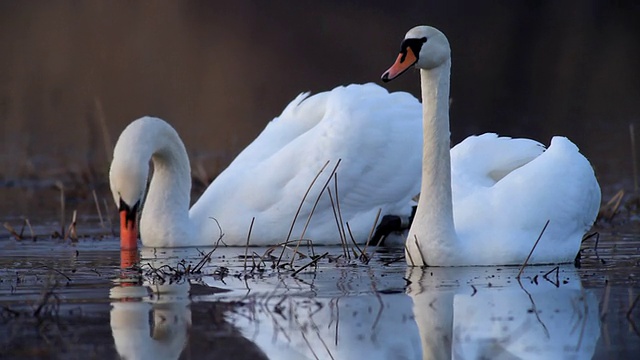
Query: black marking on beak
{"type": "Point", "coordinates": [130, 211]}
{"type": "Point", "coordinates": [414, 44]}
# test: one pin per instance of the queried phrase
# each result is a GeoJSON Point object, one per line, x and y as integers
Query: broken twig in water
{"type": "Point", "coordinates": [205, 259]}
{"type": "Point", "coordinates": [363, 257]}
{"type": "Point", "coordinates": [44, 303]}
{"type": "Point", "coordinates": [534, 309]}
{"type": "Point", "coordinates": [12, 231]}
{"type": "Point", "coordinates": [310, 263]}
{"type": "Point", "coordinates": [373, 229]}
{"type": "Point", "coordinates": [577, 261]}
{"type": "Point", "coordinates": [610, 209]}
{"type": "Point", "coordinates": [424, 263]}
{"type": "Point", "coordinates": [406, 250]}
{"type": "Point", "coordinates": [532, 249]}
{"type": "Point", "coordinates": [285, 246]}
{"type": "Point", "coordinates": [556, 283]}
{"type": "Point", "coordinates": [52, 269]}
{"type": "Point", "coordinates": [246, 248]}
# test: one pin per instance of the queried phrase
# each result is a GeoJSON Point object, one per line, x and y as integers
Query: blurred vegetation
{"type": "Point", "coordinates": [74, 73]}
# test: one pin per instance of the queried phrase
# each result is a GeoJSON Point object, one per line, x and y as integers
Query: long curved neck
{"type": "Point", "coordinates": [166, 209]}
{"type": "Point", "coordinates": [433, 230]}
{"type": "Point", "coordinates": [436, 159]}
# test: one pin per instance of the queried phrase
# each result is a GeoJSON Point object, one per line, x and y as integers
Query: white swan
{"type": "Point", "coordinates": [375, 135]}
{"type": "Point", "coordinates": [504, 190]}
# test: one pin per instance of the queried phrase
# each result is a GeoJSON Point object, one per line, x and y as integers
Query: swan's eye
{"type": "Point", "coordinates": [414, 44]}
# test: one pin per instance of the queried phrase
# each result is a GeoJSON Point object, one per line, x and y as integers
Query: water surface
{"type": "Point", "coordinates": [72, 300]}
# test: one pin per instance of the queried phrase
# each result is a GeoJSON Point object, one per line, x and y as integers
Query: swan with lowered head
{"type": "Point", "coordinates": [373, 133]}
{"type": "Point", "coordinates": [504, 190]}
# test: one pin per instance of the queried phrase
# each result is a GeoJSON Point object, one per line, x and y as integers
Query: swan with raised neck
{"type": "Point", "coordinates": [446, 233]}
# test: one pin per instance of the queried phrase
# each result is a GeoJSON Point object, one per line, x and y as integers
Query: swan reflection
{"type": "Point", "coordinates": [136, 335]}
{"type": "Point", "coordinates": [485, 313]}
{"type": "Point", "coordinates": [360, 312]}
{"type": "Point", "coordinates": [151, 317]}
{"type": "Point", "coordinates": [460, 313]}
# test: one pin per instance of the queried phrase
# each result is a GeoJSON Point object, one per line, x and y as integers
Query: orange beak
{"type": "Point", "coordinates": [403, 62]}
{"type": "Point", "coordinates": [128, 230]}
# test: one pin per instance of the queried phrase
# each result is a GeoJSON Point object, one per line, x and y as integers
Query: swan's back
{"type": "Point", "coordinates": [301, 115]}
{"type": "Point", "coordinates": [483, 160]}
{"type": "Point", "coordinates": [377, 137]}
{"type": "Point", "coordinates": [505, 218]}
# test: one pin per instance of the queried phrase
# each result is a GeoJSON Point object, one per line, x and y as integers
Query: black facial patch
{"type": "Point", "coordinates": [131, 211]}
{"type": "Point", "coordinates": [414, 44]}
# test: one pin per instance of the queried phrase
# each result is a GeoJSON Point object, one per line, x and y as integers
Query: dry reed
{"type": "Point", "coordinates": [341, 229]}
{"type": "Point", "coordinates": [406, 250]}
{"type": "Point", "coordinates": [315, 204]}
{"type": "Point", "coordinates": [532, 249]}
{"type": "Point", "coordinates": [610, 209]}
{"type": "Point", "coordinates": [102, 122]}
{"type": "Point", "coordinates": [12, 231]}
{"type": "Point", "coordinates": [95, 200]}
{"type": "Point", "coordinates": [314, 261]}
{"type": "Point", "coordinates": [246, 248]}
{"type": "Point", "coordinates": [295, 217]}
{"type": "Point", "coordinates": [60, 186]}
{"type": "Point", "coordinates": [424, 263]}
{"type": "Point", "coordinates": [72, 232]}
{"type": "Point", "coordinates": [33, 235]}
{"type": "Point", "coordinates": [304, 197]}
{"type": "Point", "coordinates": [337, 220]}
{"type": "Point", "coordinates": [373, 229]}
{"type": "Point", "coordinates": [355, 244]}
{"type": "Point", "coordinates": [534, 309]}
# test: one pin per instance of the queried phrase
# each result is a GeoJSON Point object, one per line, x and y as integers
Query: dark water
{"type": "Point", "coordinates": [60, 299]}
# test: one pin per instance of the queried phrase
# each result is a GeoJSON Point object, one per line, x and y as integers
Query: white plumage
{"type": "Point", "coordinates": [375, 135]}
{"type": "Point", "coordinates": [487, 201]}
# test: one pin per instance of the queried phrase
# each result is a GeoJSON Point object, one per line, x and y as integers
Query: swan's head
{"type": "Point", "coordinates": [128, 180]}
{"type": "Point", "coordinates": [424, 46]}
{"type": "Point", "coordinates": [128, 184]}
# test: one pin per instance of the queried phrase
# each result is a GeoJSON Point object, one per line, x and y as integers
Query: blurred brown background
{"type": "Point", "coordinates": [74, 73]}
